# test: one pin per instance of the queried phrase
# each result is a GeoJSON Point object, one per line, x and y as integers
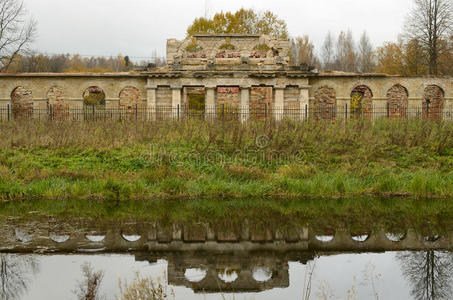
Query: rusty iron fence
{"type": "Point", "coordinates": [223, 112]}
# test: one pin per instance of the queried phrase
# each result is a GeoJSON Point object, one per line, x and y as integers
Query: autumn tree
{"type": "Point", "coordinates": [17, 31]}
{"type": "Point", "coordinates": [415, 59]}
{"type": "Point", "coordinates": [365, 55]}
{"type": "Point", "coordinates": [390, 58]}
{"type": "Point", "coordinates": [429, 22]}
{"type": "Point", "coordinates": [302, 51]}
{"type": "Point", "coordinates": [244, 21]}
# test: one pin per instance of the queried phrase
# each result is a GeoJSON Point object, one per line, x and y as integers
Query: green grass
{"type": "Point", "coordinates": [199, 159]}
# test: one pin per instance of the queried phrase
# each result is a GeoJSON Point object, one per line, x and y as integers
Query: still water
{"type": "Point", "coordinates": [303, 275]}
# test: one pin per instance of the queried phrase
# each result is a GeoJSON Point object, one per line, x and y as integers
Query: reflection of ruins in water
{"type": "Point", "coordinates": [237, 272]}
{"type": "Point", "coordinates": [209, 258]}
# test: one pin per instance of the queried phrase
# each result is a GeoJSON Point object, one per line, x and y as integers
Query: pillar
{"type": "Point", "coordinates": [244, 109]}
{"type": "Point", "coordinates": [151, 102]}
{"type": "Point", "coordinates": [210, 104]}
{"type": "Point", "coordinates": [279, 102]}
{"type": "Point", "coordinates": [176, 92]}
{"type": "Point", "coordinates": [304, 98]}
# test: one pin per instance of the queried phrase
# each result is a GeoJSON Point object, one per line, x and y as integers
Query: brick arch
{"type": "Point", "coordinates": [94, 95]}
{"type": "Point", "coordinates": [397, 101]}
{"type": "Point", "coordinates": [21, 102]}
{"type": "Point", "coordinates": [362, 101]}
{"type": "Point", "coordinates": [130, 97]}
{"type": "Point", "coordinates": [325, 103]}
{"type": "Point", "coordinates": [56, 102]}
{"type": "Point", "coordinates": [433, 102]}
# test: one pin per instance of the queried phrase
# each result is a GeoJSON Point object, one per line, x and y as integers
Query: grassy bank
{"type": "Point", "coordinates": [198, 159]}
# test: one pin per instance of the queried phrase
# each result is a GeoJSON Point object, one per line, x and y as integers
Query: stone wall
{"type": "Point", "coordinates": [228, 97]}
{"type": "Point", "coordinates": [324, 104]}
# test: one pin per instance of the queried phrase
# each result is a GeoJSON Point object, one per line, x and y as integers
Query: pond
{"type": "Point", "coordinates": [45, 258]}
{"type": "Point", "coordinates": [388, 275]}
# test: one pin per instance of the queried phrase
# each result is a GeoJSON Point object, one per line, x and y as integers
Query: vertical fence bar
{"type": "Point", "coordinates": [9, 112]}
{"type": "Point", "coordinates": [388, 110]}
{"type": "Point", "coordinates": [178, 111]}
{"type": "Point", "coordinates": [346, 111]}
{"type": "Point", "coordinates": [136, 112]}
{"type": "Point", "coordinates": [50, 112]}
{"type": "Point", "coordinates": [223, 112]}
{"type": "Point", "coordinates": [265, 111]}
{"type": "Point", "coordinates": [427, 110]}
{"type": "Point", "coordinates": [306, 112]}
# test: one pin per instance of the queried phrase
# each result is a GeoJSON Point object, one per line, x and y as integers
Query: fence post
{"type": "Point", "coordinates": [136, 112]}
{"type": "Point", "coordinates": [50, 112]}
{"type": "Point", "coordinates": [223, 111]}
{"type": "Point", "coordinates": [388, 110]}
{"type": "Point", "coordinates": [9, 114]}
{"type": "Point", "coordinates": [93, 111]}
{"type": "Point", "coordinates": [346, 111]}
{"type": "Point", "coordinates": [178, 111]}
{"type": "Point", "coordinates": [265, 110]}
{"type": "Point", "coordinates": [306, 112]}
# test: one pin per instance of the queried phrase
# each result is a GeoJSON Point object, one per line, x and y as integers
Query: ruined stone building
{"type": "Point", "coordinates": [239, 73]}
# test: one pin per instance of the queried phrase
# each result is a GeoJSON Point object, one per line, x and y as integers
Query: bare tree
{"type": "Point", "coordinates": [327, 52]}
{"type": "Point", "coordinates": [429, 22]}
{"type": "Point", "coordinates": [366, 58]}
{"type": "Point", "coordinates": [17, 31]}
{"type": "Point", "coordinates": [346, 55]}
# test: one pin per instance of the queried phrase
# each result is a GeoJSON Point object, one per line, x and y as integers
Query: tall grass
{"type": "Point", "coordinates": [196, 158]}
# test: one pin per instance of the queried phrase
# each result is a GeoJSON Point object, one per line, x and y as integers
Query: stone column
{"type": "Point", "coordinates": [151, 102]}
{"type": "Point", "coordinates": [304, 99]}
{"type": "Point", "coordinates": [279, 102]}
{"type": "Point", "coordinates": [244, 109]}
{"type": "Point", "coordinates": [210, 103]}
{"type": "Point", "coordinates": [176, 92]}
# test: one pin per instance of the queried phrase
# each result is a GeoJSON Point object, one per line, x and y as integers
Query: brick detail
{"type": "Point", "coordinates": [259, 97]}
{"type": "Point", "coordinates": [397, 99]}
{"type": "Point", "coordinates": [130, 97]}
{"type": "Point", "coordinates": [21, 102]}
{"type": "Point", "coordinates": [433, 102]}
{"type": "Point", "coordinates": [228, 96]}
{"type": "Point", "coordinates": [325, 103]}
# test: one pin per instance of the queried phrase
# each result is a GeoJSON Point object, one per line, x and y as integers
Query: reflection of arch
{"type": "Point", "coordinates": [130, 97]}
{"type": "Point", "coordinates": [362, 101]}
{"type": "Point", "coordinates": [21, 102]}
{"type": "Point", "coordinates": [433, 102]}
{"type": "Point", "coordinates": [325, 103]}
{"type": "Point", "coordinates": [94, 95]}
{"type": "Point", "coordinates": [397, 101]}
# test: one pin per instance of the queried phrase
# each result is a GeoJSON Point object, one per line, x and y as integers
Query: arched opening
{"type": "Point", "coordinates": [397, 101]}
{"type": "Point", "coordinates": [21, 102]}
{"type": "Point", "coordinates": [325, 104]}
{"type": "Point", "coordinates": [130, 98]}
{"type": "Point", "coordinates": [433, 102]}
{"type": "Point", "coordinates": [94, 96]}
{"type": "Point", "coordinates": [56, 103]}
{"type": "Point", "coordinates": [361, 101]}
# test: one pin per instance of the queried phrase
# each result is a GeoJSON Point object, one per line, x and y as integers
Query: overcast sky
{"type": "Point", "coordinates": [138, 27]}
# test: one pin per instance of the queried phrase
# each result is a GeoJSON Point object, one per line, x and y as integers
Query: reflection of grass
{"type": "Point", "coordinates": [200, 159]}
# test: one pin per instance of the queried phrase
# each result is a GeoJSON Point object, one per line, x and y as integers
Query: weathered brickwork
{"type": "Point", "coordinates": [433, 102]}
{"type": "Point", "coordinates": [130, 98]}
{"type": "Point", "coordinates": [362, 101]}
{"type": "Point", "coordinates": [228, 97]}
{"type": "Point", "coordinates": [397, 99]}
{"type": "Point", "coordinates": [56, 102]}
{"type": "Point", "coordinates": [325, 103]}
{"type": "Point", "coordinates": [22, 101]}
{"type": "Point", "coordinates": [260, 98]}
